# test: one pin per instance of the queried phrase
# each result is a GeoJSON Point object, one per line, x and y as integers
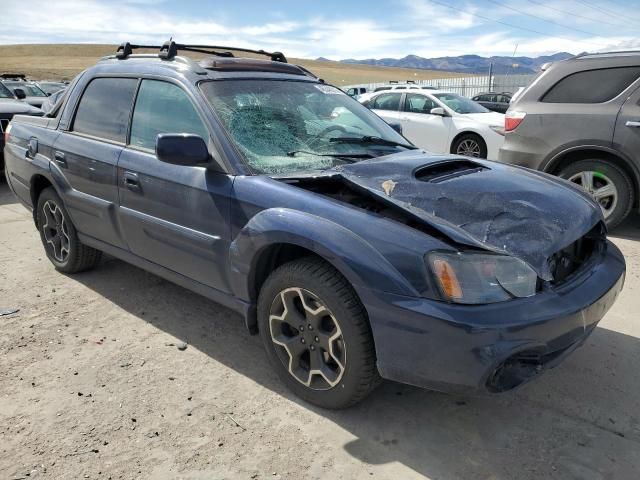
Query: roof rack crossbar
{"type": "Point", "coordinates": [170, 49]}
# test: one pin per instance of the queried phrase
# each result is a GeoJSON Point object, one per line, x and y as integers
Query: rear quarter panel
{"type": "Point", "coordinates": [21, 168]}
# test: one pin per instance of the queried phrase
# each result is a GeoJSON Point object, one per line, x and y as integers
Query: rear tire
{"type": "Point", "coordinates": [60, 238]}
{"type": "Point", "coordinates": [469, 145]}
{"type": "Point", "coordinates": [600, 173]}
{"type": "Point", "coordinates": [317, 335]}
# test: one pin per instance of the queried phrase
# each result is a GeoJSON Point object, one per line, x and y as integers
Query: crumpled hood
{"type": "Point", "coordinates": [16, 107]}
{"type": "Point", "coordinates": [505, 209]}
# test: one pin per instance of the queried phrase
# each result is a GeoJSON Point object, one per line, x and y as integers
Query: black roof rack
{"type": "Point", "coordinates": [170, 49]}
{"type": "Point", "coordinates": [13, 76]}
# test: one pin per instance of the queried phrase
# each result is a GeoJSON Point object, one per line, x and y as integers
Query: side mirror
{"type": "Point", "coordinates": [20, 93]}
{"type": "Point", "coordinates": [397, 127]}
{"type": "Point", "coordinates": [181, 149]}
{"type": "Point", "coordinates": [438, 111]}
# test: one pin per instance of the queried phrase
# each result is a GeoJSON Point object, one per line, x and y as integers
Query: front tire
{"type": "Point", "coordinates": [59, 236]}
{"type": "Point", "coordinates": [317, 335]}
{"type": "Point", "coordinates": [609, 185]}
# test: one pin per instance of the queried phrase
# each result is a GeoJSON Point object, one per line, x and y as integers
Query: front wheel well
{"type": "Point", "coordinates": [461, 134]}
{"type": "Point", "coordinates": [268, 260]}
{"type": "Point", "coordinates": [558, 164]}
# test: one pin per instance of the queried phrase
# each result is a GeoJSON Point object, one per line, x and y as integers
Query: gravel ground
{"type": "Point", "coordinates": [93, 385]}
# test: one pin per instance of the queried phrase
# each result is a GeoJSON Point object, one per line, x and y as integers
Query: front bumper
{"type": "Point", "coordinates": [489, 348]}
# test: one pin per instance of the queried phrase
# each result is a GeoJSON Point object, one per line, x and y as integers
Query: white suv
{"type": "Point", "coordinates": [441, 122]}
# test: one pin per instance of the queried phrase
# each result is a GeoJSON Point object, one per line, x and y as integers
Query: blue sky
{"type": "Point", "coordinates": [335, 29]}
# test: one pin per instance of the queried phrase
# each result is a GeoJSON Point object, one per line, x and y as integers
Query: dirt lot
{"type": "Point", "coordinates": [65, 61]}
{"type": "Point", "coordinates": [92, 385]}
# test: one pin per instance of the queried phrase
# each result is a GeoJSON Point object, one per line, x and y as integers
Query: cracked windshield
{"type": "Point", "coordinates": [282, 127]}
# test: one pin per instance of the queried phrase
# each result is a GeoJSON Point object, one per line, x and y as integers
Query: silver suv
{"type": "Point", "coordinates": [580, 120]}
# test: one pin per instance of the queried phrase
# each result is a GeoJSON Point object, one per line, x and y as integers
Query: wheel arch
{"type": "Point", "coordinates": [466, 132]}
{"type": "Point", "coordinates": [265, 262]}
{"type": "Point", "coordinates": [567, 157]}
{"type": "Point", "coordinates": [276, 236]}
{"type": "Point", "coordinates": [38, 184]}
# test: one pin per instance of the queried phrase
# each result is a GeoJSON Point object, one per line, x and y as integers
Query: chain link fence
{"type": "Point", "coordinates": [466, 86]}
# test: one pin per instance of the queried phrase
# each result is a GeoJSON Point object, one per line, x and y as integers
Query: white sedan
{"type": "Point", "coordinates": [442, 122]}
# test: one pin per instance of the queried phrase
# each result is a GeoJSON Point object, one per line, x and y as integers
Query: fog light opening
{"type": "Point", "coordinates": [515, 371]}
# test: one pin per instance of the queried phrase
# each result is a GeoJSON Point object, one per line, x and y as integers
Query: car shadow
{"type": "Point", "coordinates": [6, 196]}
{"type": "Point", "coordinates": [629, 229]}
{"type": "Point", "coordinates": [578, 421]}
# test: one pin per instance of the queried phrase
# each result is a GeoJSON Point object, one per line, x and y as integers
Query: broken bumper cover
{"type": "Point", "coordinates": [489, 348]}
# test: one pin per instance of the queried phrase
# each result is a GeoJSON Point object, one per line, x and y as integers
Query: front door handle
{"type": "Point", "coordinates": [60, 159]}
{"type": "Point", "coordinates": [632, 124]}
{"type": "Point", "coordinates": [131, 181]}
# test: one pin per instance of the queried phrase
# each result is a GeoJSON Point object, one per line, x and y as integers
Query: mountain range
{"type": "Point", "coordinates": [466, 63]}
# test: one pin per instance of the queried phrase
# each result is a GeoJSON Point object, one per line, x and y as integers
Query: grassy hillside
{"type": "Point", "coordinates": [55, 62]}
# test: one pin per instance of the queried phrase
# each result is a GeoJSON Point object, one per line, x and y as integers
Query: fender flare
{"type": "Point", "coordinates": [551, 162]}
{"type": "Point", "coordinates": [350, 254]}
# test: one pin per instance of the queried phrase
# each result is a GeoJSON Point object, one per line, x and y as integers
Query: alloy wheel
{"type": "Point", "coordinates": [308, 338]}
{"type": "Point", "coordinates": [55, 231]}
{"type": "Point", "coordinates": [600, 187]}
{"type": "Point", "coordinates": [469, 148]}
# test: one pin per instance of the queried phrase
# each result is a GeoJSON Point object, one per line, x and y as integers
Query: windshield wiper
{"type": "Point", "coordinates": [368, 139]}
{"type": "Point", "coordinates": [342, 156]}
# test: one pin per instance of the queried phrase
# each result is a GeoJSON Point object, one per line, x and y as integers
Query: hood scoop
{"type": "Point", "coordinates": [442, 171]}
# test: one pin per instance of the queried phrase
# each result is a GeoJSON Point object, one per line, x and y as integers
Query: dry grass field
{"type": "Point", "coordinates": [64, 61]}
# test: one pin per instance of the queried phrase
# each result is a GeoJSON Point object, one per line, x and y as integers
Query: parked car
{"type": "Point", "coordinates": [580, 119]}
{"type": "Point", "coordinates": [51, 87]}
{"type": "Point", "coordinates": [496, 102]}
{"type": "Point", "coordinates": [50, 102]}
{"type": "Point", "coordinates": [10, 106]}
{"type": "Point", "coordinates": [389, 86]}
{"type": "Point", "coordinates": [356, 91]}
{"type": "Point", "coordinates": [33, 95]}
{"type": "Point", "coordinates": [442, 122]}
{"type": "Point", "coordinates": [353, 254]}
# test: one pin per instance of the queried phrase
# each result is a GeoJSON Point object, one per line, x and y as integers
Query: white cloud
{"type": "Point", "coordinates": [411, 27]}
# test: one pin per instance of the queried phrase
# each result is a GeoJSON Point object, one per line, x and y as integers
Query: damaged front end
{"type": "Point", "coordinates": [521, 268]}
{"type": "Point", "coordinates": [476, 205]}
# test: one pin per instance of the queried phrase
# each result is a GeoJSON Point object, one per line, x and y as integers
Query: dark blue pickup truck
{"type": "Point", "coordinates": [355, 255]}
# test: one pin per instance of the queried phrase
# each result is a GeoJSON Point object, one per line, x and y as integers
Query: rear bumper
{"type": "Point", "coordinates": [521, 158]}
{"type": "Point", "coordinates": [489, 348]}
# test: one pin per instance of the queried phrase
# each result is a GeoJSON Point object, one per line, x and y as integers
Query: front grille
{"type": "Point", "coordinates": [571, 259]}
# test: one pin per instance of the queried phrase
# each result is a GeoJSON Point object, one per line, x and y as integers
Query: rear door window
{"type": "Point", "coordinates": [387, 101]}
{"type": "Point", "coordinates": [592, 86]}
{"type": "Point", "coordinates": [163, 107]}
{"type": "Point", "coordinates": [105, 108]}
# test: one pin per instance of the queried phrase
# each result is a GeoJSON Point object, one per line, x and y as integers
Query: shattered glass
{"type": "Point", "coordinates": [286, 126]}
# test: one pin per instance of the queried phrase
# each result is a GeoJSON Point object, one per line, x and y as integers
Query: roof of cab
{"type": "Point", "coordinates": [219, 64]}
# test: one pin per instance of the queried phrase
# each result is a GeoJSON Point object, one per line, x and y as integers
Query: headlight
{"type": "Point", "coordinates": [475, 278]}
{"type": "Point", "coordinates": [499, 129]}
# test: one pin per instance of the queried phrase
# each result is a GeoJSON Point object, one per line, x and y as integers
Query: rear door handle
{"type": "Point", "coordinates": [632, 124]}
{"type": "Point", "coordinates": [60, 160]}
{"type": "Point", "coordinates": [32, 149]}
{"type": "Point", "coordinates": [131, 181]}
